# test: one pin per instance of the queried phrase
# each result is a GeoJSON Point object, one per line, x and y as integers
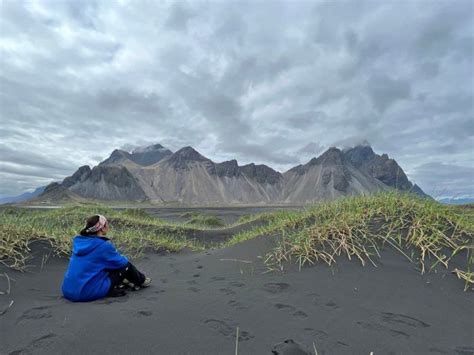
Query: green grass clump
{"type": "Point", "coordinates": [198, 219]}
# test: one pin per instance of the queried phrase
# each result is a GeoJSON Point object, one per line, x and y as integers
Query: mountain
{"type": "Point", "coordinates": [381, 167]}
{"type": "Point", "coordinates": [23, 197]}
{"type": "Point", "coordinates": [190, 178]}
{"type": "Point", "coordinates": [57, 193]}
{"type": "Point", "coordinates": [157, 175]}
{"type": "Point", "coordinates": [327, 177]}
{"type": "Point", "coordinates": [457, 201]}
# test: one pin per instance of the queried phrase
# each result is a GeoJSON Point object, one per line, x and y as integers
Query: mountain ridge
{"type": "Point", "coordinates": [188, 177]}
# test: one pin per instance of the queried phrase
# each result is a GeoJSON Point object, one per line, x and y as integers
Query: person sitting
{"type": "Point", "coordinates": [96, 269]}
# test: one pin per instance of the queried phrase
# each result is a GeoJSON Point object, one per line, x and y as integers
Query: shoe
{"type": "Point", "coordinates": [128, 284]}
{"type": "Point", "coordinates": [146, 283]}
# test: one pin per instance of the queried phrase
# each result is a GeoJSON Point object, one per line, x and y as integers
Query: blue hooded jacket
{"type": "Point", "coordinates": [86, 278]}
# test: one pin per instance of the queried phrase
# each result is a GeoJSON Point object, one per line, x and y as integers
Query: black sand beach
{"type": "Point", "coordinates": [198, 300]}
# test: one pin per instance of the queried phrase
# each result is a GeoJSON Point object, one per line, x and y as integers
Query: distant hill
{"type": "Point", "coordinates": [157, 175]}
{"type": "Point", "coordinates": [456, 201]}
{"type": "Point", "coordinates": [23, 197]}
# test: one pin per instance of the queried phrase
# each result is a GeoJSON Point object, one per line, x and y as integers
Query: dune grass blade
{"type": "Point", "coordinates": [237, 342]}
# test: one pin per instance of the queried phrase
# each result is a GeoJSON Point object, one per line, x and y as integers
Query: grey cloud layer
{"type": "Point", "coordinates": [269, 82]}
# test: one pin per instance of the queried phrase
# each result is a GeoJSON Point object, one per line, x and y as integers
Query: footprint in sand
{"type": "Point", "coordinates": [332, 304]}
{"type": "Point", "coordinates": [218, 278]}
{"type": "Point", "coordinates": [394, 318]}
{"type": "Point", "coordinates": [323, 340]}
{"type": "Point", "coordinates": [290, 346]}
{"type": "Point", "coordinates": [300, 314]}
{"type": "Point", "coordinates": [236, 284]}
{"type": "Point", "coordinates": [36, 344]}
{"type": "Point", "coordinates": [287, 307]}
{"type": "Point", "coordinates": [224, 328]}
{"type": "Point", "coordinates": [237, 305]}
{"type": "Point", "coordinates": [227, 291]}
{"type": "Point", "coordinates": [464, 350]}
{"type": "Point", "coordinates": [381, 328]}
{"type": "Point", "coordinates": [315, 298]}
{"type": "Point", "coordinates": [196, 275]}
{"type": "Point", "coordinates": [284, 306]}
{"type": "Point", "coordinates": [35, 313]}
{"type": "Point", "coordinates": [320, 334]}
{"type": "Point", "coordinates": [143, 313]}
{"type": "Point", "coordinates": [276, 287]}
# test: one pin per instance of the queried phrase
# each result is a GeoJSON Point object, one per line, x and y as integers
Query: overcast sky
{"type": "Point", "coordinates": [259, 81]}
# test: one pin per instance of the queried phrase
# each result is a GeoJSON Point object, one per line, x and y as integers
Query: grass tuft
{"type": "Point", "coordinates": [202, 220]}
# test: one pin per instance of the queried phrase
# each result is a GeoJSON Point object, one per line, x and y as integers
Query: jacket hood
{"type": "Point", "coordinates": [84, 245]}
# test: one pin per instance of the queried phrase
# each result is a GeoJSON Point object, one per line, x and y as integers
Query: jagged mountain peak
{"type": "Point", "coordinates": [143, 156]}
{"type": "Point", "coordinates": [261, 173]}
{"type": "Point", "coordinates": [116, 157]}
{"type": "Point", "coordinates": [361, 144]}
{"type": "Point", "coordinates": [189, 153]}
{"type": "Point", "coordinates": [149, 155]}
{"type": "Point", "coordinates": [119, 153]}
{"type": "Point", "coordinates": [360, 154]}
{"type": "Point", "coordinates": [183, 157]}
{"type": "Point", "coordinates": [229, 164]}
{"type": "Point", "coordinates": [331, 156]}
{"type": "Point", "coordinates": [149, 148]}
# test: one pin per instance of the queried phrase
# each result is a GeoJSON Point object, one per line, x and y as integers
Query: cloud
{"type": "Point", "coordinates": [179, 16]}
{"type": "Point", "coordinates": [385, 91]}
{"type": "Point", "coordinates": [254, 81]}
{"type": "Point", "coordinates": [312, 149]}
{"type": "Point", "coordinates": [30, 158]}
{"type": "Point", "coordinates": [443, 179]}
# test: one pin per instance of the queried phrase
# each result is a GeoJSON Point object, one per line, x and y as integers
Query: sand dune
{"type": "Point", "coordinates": [198, 300]}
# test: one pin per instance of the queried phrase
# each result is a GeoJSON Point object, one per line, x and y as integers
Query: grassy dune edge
{"type": "Point", "coordinates": [423, 231]}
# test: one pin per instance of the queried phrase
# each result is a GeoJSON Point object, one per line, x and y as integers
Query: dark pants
{"type": "Point", "coordinates": [128, 272]}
